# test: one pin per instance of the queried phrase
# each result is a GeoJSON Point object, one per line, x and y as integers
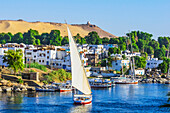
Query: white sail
{"type": "Point", "coordinates": [79, 79]}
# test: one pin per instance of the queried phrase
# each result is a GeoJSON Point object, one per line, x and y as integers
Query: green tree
{"type": "Point", "coordinates": [141, 44]}
{"type": "Point", "coordinates": [164, 41]}
{"type": "Point", "coordinates": [7, 37]}
{"type": "Point", "coordinates": [45, 38]}
{"type": "Point", "coordinates": [55, 38]}
{"type": "Point", "coordinates": [149, 49]}
{"type": "Point", "coordinates": [78, 38]}
{"type": "Point", "coordinates": [165, 65]}
{"type": "Point", "coordinates": [113, 41]}
{"type": "Point", "coordinates": [14, 60]}
{"type": "Point", "coordinates": [38, 42]}
{"type": "Point", "coordinates": [114, 50]}
{"type": "Point", "coordinates": [105, 40]}
{"type": "Point", "coordinates": [64, 41]}
{"type": "Point", "coordinates": [154, 44]}
{"type": "Point", "coordinates": [30, 37]}
{"type": "Point", "coordinates": [122, 46]}
{"type": "Point", "coordinates": [98, 41]}
{"type": "Point", "coordinates": [140, 62]}
{"type": "Point", "coordinates": [17, 38]}
{"type": "Point", "coordinates": [92, 38]}
{"type": "Point", "coordinates": [159, 53]}
{"type": "Point", "coordinates": [83, 41]}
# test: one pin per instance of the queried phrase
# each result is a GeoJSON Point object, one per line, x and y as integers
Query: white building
{"type": "Point", "coordinates": [138, 72]}
{"type": "Point", "coordinates": [107, 46]}
{"type": "Point", "coordinates": [117, 64]}
{"type": "Point", "coordinates": [42, 55]}
{"type": "Point", "coordinates": [153, 63]}
{"type": "Point", "coordinates": [127, 53]}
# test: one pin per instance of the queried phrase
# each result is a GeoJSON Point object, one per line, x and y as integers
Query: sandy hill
{"type": "Point", "coordinates": [42, 27]}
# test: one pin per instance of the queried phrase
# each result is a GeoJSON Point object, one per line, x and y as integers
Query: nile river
{"type": "Point", "coordinates": [145, 98]}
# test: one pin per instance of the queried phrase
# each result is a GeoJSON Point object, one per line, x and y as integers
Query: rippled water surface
{"type": "Point", "coordinates": [143, 98]}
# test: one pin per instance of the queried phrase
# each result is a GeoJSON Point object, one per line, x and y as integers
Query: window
{"type": "Point", "coordinates": [116, 64]}
{"type": "Point", "coordinates": [148, 63]}
{"type": "Point", "coordinates": [47, 57]}
{"type": "Point", "coordinates": [28, 53]}
{"type": "Point", "coordinates": [42, 60]}
{"type": "Point", "coordinates": [39, 60]}
{"type": "Point", "coordinates": [47, 51]}
{"type": "Point", "coordinates": [34, 56]}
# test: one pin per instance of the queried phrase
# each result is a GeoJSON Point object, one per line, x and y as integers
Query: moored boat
{"type": "Point", "coordinates": [126, 81]}
{"type": "Point", "coordinates": [100, 83]}
{"type": "Point", "coordinates": [45, 90]}
{"type": "Point", "coordinates": [62, 87]}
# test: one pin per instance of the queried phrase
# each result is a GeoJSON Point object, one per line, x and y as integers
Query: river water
{"type": "Point", "coordinates": [145, 98]}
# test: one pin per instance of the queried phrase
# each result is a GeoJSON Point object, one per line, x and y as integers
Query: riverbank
{"type": "Point", "coordinates": [155, 80]}
{"type": "Point", "coordinates": [8, 86]}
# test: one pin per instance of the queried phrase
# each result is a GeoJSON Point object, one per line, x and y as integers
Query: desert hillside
{"type": "Point", "coordinates": [42, 27]}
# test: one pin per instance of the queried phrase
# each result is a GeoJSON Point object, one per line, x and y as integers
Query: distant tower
{"type": "Point", "coordinates": [88, 22]}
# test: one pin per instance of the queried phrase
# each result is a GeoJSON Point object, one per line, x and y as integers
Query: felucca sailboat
{"type": "Point", "coordinates": [82, 92]}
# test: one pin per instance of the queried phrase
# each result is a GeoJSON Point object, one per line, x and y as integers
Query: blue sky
{"type": "Point", "coordinates": [114, 16]}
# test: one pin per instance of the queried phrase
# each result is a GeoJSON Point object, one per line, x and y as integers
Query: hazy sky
{"type": "Point", "coordinates": [114, 16]}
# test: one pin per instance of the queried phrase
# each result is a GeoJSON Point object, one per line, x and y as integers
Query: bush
{"type": "Point", "coordinates": [60, 75]}
{"type": "Point", "coordinates": [45, 82]}
{"type": "Point", "coordinates": [32, 70]}
{"type": "Point", "coordinates": [19, 74]}
{"type": "Point", "coordinates": [21, 81]}
{"type": "Point", "coordinates": [37, 66]}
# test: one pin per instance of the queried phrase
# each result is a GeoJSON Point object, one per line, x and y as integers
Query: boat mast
{"type": "Point", "coordinates": [168, 62]}
{"type": "Point", "coordinates": [132, 61]}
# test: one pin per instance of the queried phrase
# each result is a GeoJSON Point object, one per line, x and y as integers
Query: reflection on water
{"type": "Point", "coordinates": [11, 98]}
{"type": "Point", "coordinates": [120, 98]}
{"type": "Point", "coordinates": [69, 93]}
{"type": "Point", "coordinates": [81, 108]}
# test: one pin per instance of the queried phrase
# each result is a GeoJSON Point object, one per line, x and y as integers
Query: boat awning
{"type": "Point", "coordinates": [82, 95]}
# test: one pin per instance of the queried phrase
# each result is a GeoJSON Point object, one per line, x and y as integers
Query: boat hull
{"type": "Point", "coordinates": [126, 82]}
{"type": "Point", "coordinates": [81, 103]}
{"type": "Point", "coordinates": [82, 99]}
{"type": "Point", "coordinates": [45, 90]}
{"type": "Point", "coordinates": [65, 90]}
{"type": "Point", "coordinates": [96, 86]}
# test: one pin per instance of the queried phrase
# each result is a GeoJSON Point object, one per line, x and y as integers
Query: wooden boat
{"type": "Point", "coordinates": [62, 87]}
{"type": "Point", "coordinates": [45, 90]}
{"type": "Point", "coordinates": [126, 82]}
{"type": "Point", "coordinates": [82, 92]}
{"type": "Point", "coordinates": [100, 83]}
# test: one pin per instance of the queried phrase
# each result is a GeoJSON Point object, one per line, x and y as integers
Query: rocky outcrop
{"type": "Point", "coordinates": [155, 80]}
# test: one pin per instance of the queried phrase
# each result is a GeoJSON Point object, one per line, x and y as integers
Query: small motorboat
{"type": "Point", "coordinates": [100, 83]}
